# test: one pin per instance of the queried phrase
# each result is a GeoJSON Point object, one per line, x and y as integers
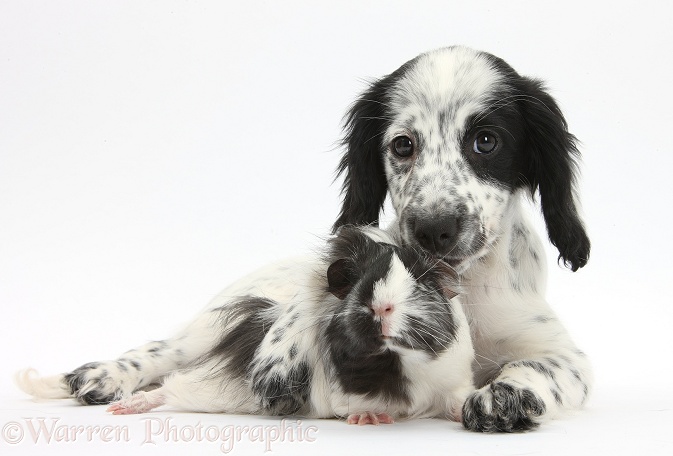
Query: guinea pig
{"type": "Point", "coordinates": [375, 333]}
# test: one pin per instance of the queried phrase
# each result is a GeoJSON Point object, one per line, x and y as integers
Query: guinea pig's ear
{"type": "Point", "coordinates": [341, 277]}
{"type": "Point", "coordinates": [448, 279]}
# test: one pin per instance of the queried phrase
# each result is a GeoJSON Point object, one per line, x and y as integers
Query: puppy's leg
{"type": "Point", "coordinates": [208, 387]}
{"type": "Point", "coordinates": [103, 382]}
{"type": "Point", "coordinates": [282, 368]}
{"type": "Point", "coordinates": [549, 377]}
{"type": "Point", "coordinates": [107, 381]}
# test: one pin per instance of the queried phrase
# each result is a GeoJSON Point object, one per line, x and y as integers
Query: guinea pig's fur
{"type": "Point", "coordinates": [371, 330]}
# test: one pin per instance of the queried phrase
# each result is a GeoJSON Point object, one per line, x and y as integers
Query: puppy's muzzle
{"type": "Point", "coordinates": [437, 234]}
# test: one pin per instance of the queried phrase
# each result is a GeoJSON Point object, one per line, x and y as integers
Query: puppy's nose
{"type": "Point", "coordinates": [438, 234]}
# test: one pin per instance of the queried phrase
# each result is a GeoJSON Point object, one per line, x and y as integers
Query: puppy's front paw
{"type": "Point", "coordinates": [500, 407]}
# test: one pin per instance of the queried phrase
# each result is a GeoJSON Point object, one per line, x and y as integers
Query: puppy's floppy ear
{"type": "Point", "coordinates": [552, 153]}
{"type": "Point", "coordinates": [364, 188]}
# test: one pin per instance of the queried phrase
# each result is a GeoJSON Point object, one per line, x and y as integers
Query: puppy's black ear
{"type": "Point", "coordinates": [552, 156]}
{"type": "Point", "coordinates": [364, 187]}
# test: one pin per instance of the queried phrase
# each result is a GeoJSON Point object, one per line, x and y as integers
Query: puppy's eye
{"type": "Point", "coordinates": [485, 143]}
{"type": "Point", "coordinates": [402, 146]}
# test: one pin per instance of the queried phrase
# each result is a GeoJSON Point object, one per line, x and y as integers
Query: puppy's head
{"type": "Point", "coordinates": [453, 135]}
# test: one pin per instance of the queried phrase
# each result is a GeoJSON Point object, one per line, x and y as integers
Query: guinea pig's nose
{"type": "Point", "coordinates": [384, 310]}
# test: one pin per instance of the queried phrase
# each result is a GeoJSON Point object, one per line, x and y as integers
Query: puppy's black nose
{"type": "Point", "coordinates": [437, 234]}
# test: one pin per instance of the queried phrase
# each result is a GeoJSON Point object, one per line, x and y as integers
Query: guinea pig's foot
{"type": "Point", "coordinates": [369, 418]}
{"type": "Point", "coordinates": [140, 402]}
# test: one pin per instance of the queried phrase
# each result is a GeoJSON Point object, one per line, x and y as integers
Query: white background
{"type": "Point", "coordinates": [152, 152]}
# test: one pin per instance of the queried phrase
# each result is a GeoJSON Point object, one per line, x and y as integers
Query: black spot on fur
{"type": "Point", "coordinates": [154, 349]}
{"type": "Point", "coordinates": [553, 363]}
{"type": "Point", "coordinates": [75, 381]}
{"type": "Point", "coordinates": [81, 377]}
{"type": "Point", "coordinates": [239, 341]}
{"type": "Point", "coordinates": [263, 369]}
{"type": "Point", "coordinates": [293, 319]}
{"type": "Point", "coordinates": [576, 374]}
{"type": "Point", "coordinates": [96, 397]}
{"type": "Point", "coordinates": [283, 395]}
{"type": "Point", "coordinates": [536, 366]}
{"type": "Point", "coordinates": [278, 335]}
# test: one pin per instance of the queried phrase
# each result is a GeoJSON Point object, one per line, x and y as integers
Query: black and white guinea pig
{"type": "Point", "coordinates": [370, 331]}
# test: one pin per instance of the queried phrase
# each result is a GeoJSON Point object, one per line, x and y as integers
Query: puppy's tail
{"type": "Point", "coordinates": [54, 387]}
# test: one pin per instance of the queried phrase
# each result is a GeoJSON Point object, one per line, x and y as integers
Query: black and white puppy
{"type": "Point", "coordinates": [458, 139]}
{"type": "Point", "coordinates": [366, 332]}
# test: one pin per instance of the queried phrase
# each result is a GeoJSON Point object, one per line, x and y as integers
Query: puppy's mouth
{"type": "Point", "coordinates": [467, 245]}
{"type": "Point", "coordinates": [453, 236]}
{"type": "Point", "coordinates": [461, 263]}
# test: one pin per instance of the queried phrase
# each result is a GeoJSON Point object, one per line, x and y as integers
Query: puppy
{"type": "Point", "coordinates": [458, 139]}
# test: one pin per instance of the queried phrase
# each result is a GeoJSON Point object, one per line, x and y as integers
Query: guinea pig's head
{"type": "Point", "coordinates": [389, 297]}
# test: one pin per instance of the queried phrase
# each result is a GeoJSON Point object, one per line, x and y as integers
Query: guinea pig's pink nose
{"type": "Point", "coordinates": [384, 310]}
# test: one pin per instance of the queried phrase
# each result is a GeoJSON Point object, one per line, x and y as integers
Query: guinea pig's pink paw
{"type": "Point", "coordinates": [370, 418]}
{"type": "Point", "coordinates": [140, 402]}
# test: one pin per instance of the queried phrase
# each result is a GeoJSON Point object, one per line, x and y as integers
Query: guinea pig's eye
{"type": "Point", "coordinates": [402, 146]}
{"type": "Point", "coordinates": [485, 142]}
